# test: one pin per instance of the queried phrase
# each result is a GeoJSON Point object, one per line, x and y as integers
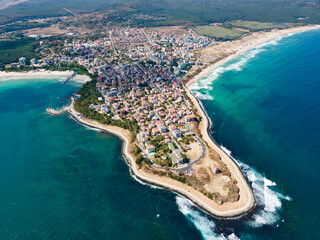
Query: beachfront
{"type": "Point", "coordinates": [43, 74]}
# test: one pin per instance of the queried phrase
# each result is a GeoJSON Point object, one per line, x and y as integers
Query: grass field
{"type": "Point", "coordinates": [218, 33]}
{"type": "Point", "coordinates": [256, 26]}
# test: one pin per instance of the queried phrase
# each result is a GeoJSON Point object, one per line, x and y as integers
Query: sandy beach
{"type": "Point", "coordinates": [4, 76]}
{"type": "Point", "coordinates": [222, 52]}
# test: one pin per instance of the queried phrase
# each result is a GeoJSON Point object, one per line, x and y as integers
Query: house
{"type": "Point", "coordinates": [155, 130]}
{"type": "Point", "coordinates": [190, 118]}
{"type": "Point", "coordinates": [181, 122]}
{"type": "Point", "coordinates": [176, 157]}
{"type": "Point", "coordinates": [177, 133]}
{"type": "Point", "coordinates": [151, 149]}
{"type": "Point", "coordinates": [172, 127]}
{"type": "Point", "coordinates": [162, 128]}
{"type": "Point", "coordinates": [146, 139]}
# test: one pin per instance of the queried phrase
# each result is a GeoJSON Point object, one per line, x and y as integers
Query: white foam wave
{"type": "Point", "coordinates": [91, 128]}
{"type": "Point", "coordinates": [227, 151]}
{"type": "Point", "coordinates": [275, 41]}
{"type": "Point", "coordinates": [240, 61]}
{"type": "Point", "coordinates": [143, 183]}
{"type": "Point", "coordinates": [232, 236]}
{"type": "Point", "coordinates": [268, 199]}
{"type": "Point", "coordinates": [203, 96]}
{"type": "Point", "coordinates": [206, 226]}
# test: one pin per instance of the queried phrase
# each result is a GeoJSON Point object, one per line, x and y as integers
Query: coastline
{"type": "Point", "coordinates": [247, 199]}
{"type": "Point", "coordinates": [203, 202]}
{"type": "Point", "coordinates": [226, 51]}
{"type": "Point", "coordinates": [5, 76]}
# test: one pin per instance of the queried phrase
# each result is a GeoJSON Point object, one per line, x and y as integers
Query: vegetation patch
{"type": "Point", "coordinates": [257, 26]}
{"type": "Point", "coordinates": [11, 51]}
{"type": "Point", "coordinates": [218, 33]}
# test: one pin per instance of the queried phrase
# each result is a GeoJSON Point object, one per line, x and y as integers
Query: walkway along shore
{"type": "Point", "coordinates": [196, 197]}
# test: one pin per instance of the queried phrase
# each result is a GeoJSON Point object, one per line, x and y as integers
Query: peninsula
{"type": "Point", "coordinates": [139, 92]}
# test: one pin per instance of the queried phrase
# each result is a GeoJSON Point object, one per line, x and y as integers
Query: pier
{"type": "Point", "coordinates": [70, 77]}
{"type": "Point", "coordinates": [56, 111]}
{"type": "Point", "coordinates": [62, 110]}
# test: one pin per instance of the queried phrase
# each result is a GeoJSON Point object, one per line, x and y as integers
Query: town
{"type": "Point", "coordinates": [138, 93]}
{"type": "Point", "coordinates": [139, 77]}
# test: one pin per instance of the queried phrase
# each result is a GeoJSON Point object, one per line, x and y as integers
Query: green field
{"type": "Point", "coordinates": [256, 26]}
{"type": "Point", "coordinates": [218, 33]}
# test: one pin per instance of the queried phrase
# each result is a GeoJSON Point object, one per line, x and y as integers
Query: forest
{"type": "Point", "coordinates": [11, 51]}
{"type": "Point", "coordinates": [177, 11]}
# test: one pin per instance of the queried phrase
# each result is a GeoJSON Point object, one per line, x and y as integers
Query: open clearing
{"type": "Point", "coordinates": [255, 26]}
{"type": "Point", "coordinates": [218, 33]}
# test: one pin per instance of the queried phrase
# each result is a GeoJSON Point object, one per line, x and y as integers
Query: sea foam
{"type": "Point", "coordinates": [269, 200]}
{"type": "Point", "coordinates": [235, 64]}
{"type": "Point", "coordinates": [206, 226]}
{"type": "Point", "coordinates": [203, 96]}
{"type": "Point", "coordinates": [143, 183]}
{"type": "Point", "coordinates": [267, 212]}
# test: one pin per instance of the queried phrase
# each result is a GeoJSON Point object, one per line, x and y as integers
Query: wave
{"type": "Point", "coordinates": [235, 64]}
{"type": "Point", "coordinates": [91, 128]}
{"type": "Point", "coordinates": [143, 183]}
{"type": "Point", "coordinates": [206, 226]}
{"type": "Point", "coordinates": [275, 41]}
{"type": "Point", "coordinates": [269, 199]}
{"type": "Point", "coordinates": [203, 96]}
{"type": "Point", "coordinates": [227, 151]}
{"type": "Point", "coordinates": [267, 212]}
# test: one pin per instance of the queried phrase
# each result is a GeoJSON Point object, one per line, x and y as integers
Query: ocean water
{"type": "Point", "coordinates": [265, 111]}
{"type": "Point", "coordinates": [60, 180]}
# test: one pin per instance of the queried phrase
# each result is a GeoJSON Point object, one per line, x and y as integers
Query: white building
{"type": "Point", "coordinates": [22, 61]}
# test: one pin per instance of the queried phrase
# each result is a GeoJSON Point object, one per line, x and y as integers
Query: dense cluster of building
{"type": "Point", "coordinates": [139, 73]}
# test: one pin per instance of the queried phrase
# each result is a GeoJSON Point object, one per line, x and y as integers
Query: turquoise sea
{"type": "Point", "coordinates": [60, 180]}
